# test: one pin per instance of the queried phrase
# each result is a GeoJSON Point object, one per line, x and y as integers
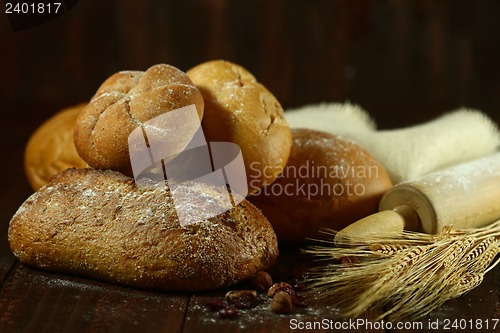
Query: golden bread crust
{"type": "Point", "coordinates": [102, 225]}
{"type": "Point", "coordinates": [124, 101]}
{"type": "Point", "coordinates": [239, 109]}
{"type": "Point", "coordinates": [50, 148]}
{"type": "Point", "coordinates": [329, 182]}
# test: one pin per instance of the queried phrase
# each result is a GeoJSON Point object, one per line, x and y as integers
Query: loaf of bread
{"type": "Point", "coordinates": [123, 102]}
{"type": "Point", "coordinates": [50, 148]}
{"type": "Point", "coordinates": [329, 182]}
{"type": "Point", "coordinates": [102, 225]}
{"type": "Point", "coordinates": [239, 109]}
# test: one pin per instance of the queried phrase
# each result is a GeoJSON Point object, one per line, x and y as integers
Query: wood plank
{"type": "Point", "coordinates": [36, 301]}
{"type": "Point", "coordinates": [33, 300]}
{"type": "Point", "coordinates": [7, 260]}
{"type": "Point", "coordinates": [291, 265]}
{"type": "Point", "coordinates": [262, 319]}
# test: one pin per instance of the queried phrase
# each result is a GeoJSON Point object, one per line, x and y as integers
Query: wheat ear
{"type": "Point", "coordinates": [409, 274]}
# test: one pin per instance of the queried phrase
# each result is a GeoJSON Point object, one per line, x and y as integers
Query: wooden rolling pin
{"type": "Point", "coordinates": [465, 196]}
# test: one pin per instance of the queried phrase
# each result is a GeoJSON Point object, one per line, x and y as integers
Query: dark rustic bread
{"type": "Point", "coordinates": [102, 225]}
{"type": "Point", "coordinates": [328, 183]}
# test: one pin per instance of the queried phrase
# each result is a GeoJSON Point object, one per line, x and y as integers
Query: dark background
{"type": "Point", "coordinates": [404, 61]}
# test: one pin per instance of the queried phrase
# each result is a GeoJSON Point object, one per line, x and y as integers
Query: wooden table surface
{"type": "Point", "coordinates": [32, 300]}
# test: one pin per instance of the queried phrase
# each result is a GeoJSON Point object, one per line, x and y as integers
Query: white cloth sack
{"type": "Point", "coordinates": [406, 153]}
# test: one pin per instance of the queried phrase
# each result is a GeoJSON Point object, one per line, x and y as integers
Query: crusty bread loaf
{"type": "Point", "coordinates": [329, 182]}
{"type": "Point", "coordinates": [50, 148]}
{"type": "Point", "coordinates": [102, 225]}
{"type": "Point", "coordinates": [239, 109]}
{"type": "Point", "coordinates": [124, 101]}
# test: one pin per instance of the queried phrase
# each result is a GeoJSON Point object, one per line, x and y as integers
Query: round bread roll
{"type": "Point", "coordinates": [51, 149]}
{"type": "Point", "coordinates": [238, 109]}
{"type": "Point", "coordinates": [124, 101]}
{"type": "Point", "coordinates": [100, 224]}
{"type": "Point", "coordinates": [329, 182]}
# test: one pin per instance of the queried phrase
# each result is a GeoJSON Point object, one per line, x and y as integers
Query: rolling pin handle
{"type": "Point", "coordinates": [380, 224]}
{"type": "Point", "coordinates": [410, 217]}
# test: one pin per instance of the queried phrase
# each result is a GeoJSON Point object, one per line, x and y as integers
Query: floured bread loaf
{"type": "Point", "coordinates": [241, 110]}
{"type": "Point", "coordinates": [102, 225]}
{"type": "Point", "coordinates": [123, 102]}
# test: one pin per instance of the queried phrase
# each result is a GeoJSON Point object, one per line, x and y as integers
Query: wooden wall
{"type": "Point", "coordinates": [404, 61]}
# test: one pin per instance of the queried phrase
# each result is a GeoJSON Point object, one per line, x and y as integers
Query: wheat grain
{"type": "Point", "coordinates": [388, 249]}
{"type": "Point", "coordinates": [456, 251]}
{"type": "Point", "coordinates": [405, 259]}
{"type": "Point", "coordinates": [479, 249]}
{"type": "Point", "coordinates": [486, 258]}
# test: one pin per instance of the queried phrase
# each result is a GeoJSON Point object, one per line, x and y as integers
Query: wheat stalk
{"type": "Point", "coordinates": [409, 273]}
